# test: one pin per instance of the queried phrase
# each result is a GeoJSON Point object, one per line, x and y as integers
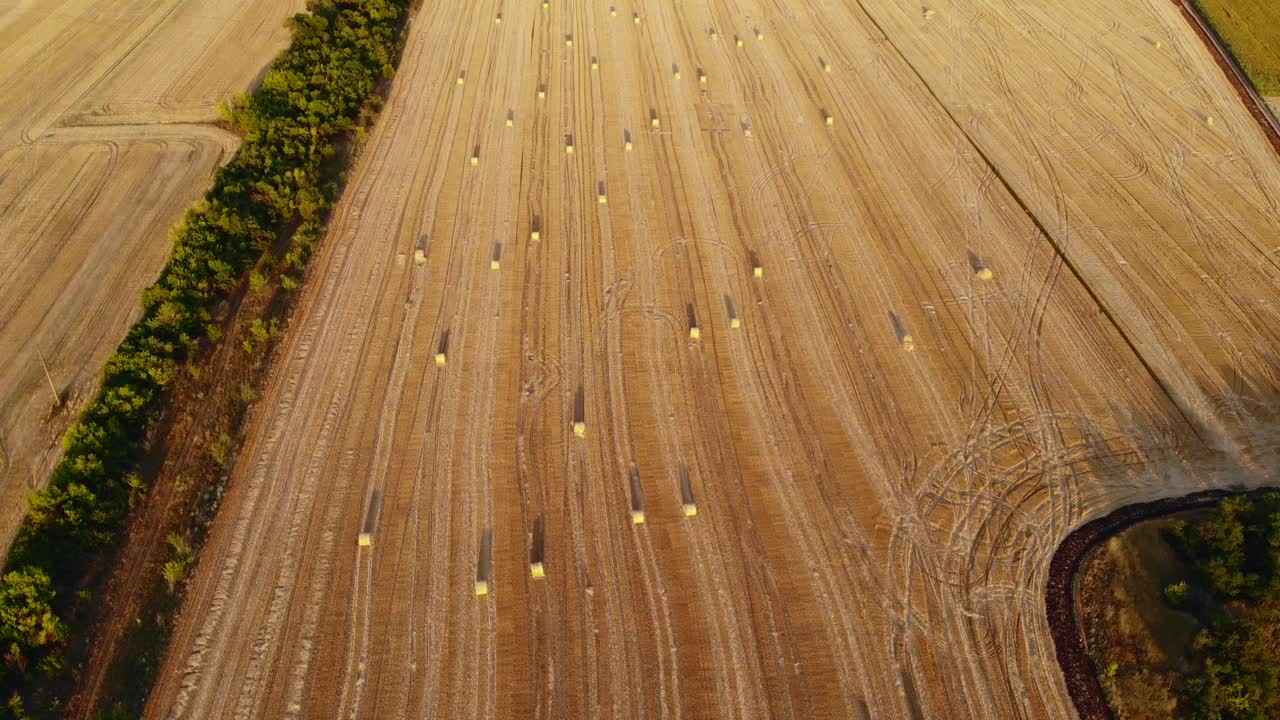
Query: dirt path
{"type": "Point", "coordinates": [105, 140]}
{"type": "Point", "coordinates": [885, 448]}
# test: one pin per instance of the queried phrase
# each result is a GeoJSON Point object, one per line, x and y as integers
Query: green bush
{"type": "Point", "coordinates": [1240, 679]}
{"type": "Point", "coordinates": [1234, 552]}
{"type": "Point", "coordinates": [27, 618]}
{"type": "Point", "coordinates": [219, 448]}
{"type": "Point", "coordinates": [1236, 548]}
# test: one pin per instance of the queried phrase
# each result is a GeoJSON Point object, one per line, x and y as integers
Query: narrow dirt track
{"type": "Point", "coordinates": [874, 524]}
{"type": "Point", "coordinates": [106, 138]}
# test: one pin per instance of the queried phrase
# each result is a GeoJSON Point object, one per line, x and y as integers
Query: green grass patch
{"type": "Point", "coordinates": [1251, 30]}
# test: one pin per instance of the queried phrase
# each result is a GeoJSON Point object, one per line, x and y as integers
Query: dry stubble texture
{"type": "Point", "coordinates": [105, 139]}
{"type": "Point", "coordinates": [874, 525]}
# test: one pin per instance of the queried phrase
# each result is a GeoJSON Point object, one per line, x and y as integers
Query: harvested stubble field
{"type": "Point", "coordinates": [884, 454]}
{"type": "Point", "coordinates": [106, 137]}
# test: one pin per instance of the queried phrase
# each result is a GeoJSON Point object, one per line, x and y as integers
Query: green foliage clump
{"type": "Point", "coordinates": [1234, 553]}
{"type": "Point", "coordinates": [220, 448]}
{"type": "Point", "coordinates": [1236, 548]}
{"type": "Point", "coordinates": [27, 618]}
{"type": "Point", "coordinates": [1240, 679]}
{"type": "Point", "coordinates": [315, 95]}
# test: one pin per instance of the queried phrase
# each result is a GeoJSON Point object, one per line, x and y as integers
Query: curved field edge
{"type": "Point", "coordinates": [265, 210]}
{"type": "Point", "coordinates": [1060, 598]}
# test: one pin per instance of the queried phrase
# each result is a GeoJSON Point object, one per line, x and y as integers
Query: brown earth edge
{"type": "Point", "coordinates": [1060, 602]}
{"type": "Point", "coordinates": [1256, 105]}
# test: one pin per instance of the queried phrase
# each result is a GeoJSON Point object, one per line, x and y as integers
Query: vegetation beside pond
{"type": "Point", "coordinates": [1182, 614]}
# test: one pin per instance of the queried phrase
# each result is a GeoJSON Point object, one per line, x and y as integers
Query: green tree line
{"type": "Point", "coordinates": [318, 93]}
{"type": "Point", "coordinates": [1234, 556]}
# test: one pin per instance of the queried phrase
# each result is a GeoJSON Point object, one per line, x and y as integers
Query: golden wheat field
{"type": "Point", "coordinates": [741, 359]}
